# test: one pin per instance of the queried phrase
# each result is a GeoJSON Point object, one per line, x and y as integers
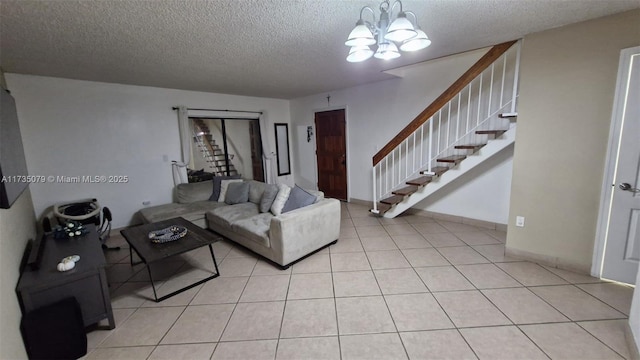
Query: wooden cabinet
{"type": "Point", "coordinates": [87, 282]}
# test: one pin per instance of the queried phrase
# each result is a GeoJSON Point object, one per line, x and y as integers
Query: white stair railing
{"type": "Point", "coordinates": [204, 150]}
{"type": "Point", "coordinates": [477, 106]}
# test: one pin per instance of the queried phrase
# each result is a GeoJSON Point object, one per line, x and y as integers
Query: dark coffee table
{"type": "Point", "coordinates": [149, 252]}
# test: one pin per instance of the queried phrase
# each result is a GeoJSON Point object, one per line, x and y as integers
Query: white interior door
{"type": "Point", "coordinates": [622, 248]}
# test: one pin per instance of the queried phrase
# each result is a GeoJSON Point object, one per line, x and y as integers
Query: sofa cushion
{"type": "Point", "coordinates": [216, 182]}
{"type": "Point", "coordinates": [190, 211]}
{"type": "Point", "coordinates": [280, 200]}
{"type": "Point", "coordinates": [255, 228]}
{"type": "Point", "coordinates": [237, 193]}
{"type": "Point", "coordinates": [269, 194]}
{"type": "Point", "coordinates": [229, 214]}
{"type": "Point", "coordinates": [256, 189]}
{"type": "Point", "coordinates": [224, 186]}
{"type": "Point", "coordinates": [317, 193]}
{"type": "Point", "coordinates": [191, 192]}
{"type": "Point", "coordinates": [298, 198]}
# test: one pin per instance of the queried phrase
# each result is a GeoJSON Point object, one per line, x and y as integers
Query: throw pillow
{"type": "Point", "coordinates": [224, 185]}
{"type": "Point", "coordinates": [237, 193]}
{"type": "Point", "coordinates": [216, 185]}
{"type": "Point", "coordinates": [281, 199]}
{"type": "Point", "coordinates": [256, 189]}
{"type": "Point", "coordinates": [269, 194]}
{"type": "Point", "coordinates": [298, 198]}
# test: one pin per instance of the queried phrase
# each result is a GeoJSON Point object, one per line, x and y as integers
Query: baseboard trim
{"type": "Point", "coordinates": [360, 202]}
{"type": "Point", "coordinates": [445, 217]}
{"type": "Point", "coordinates": [547, 260]}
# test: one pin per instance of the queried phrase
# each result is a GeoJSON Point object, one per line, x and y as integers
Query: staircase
{"type": "Point", "coordinates": [219, 163]}
{"type": "Point", "coordinates": [470, 122]}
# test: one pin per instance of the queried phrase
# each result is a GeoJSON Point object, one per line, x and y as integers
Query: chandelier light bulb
{"type": "Point", "coordinates": [360, 36]}
{"type": "Point", "coordinates": [400, 29]}
{"type": "Point", "coordinates": [359, 53]}
{"type": "Point", "coordinates": [387, 51]}
{"type": "Point", "coordinates": [418, 42]}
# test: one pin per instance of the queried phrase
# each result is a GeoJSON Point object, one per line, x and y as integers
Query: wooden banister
{"type": "Point", "coordinates": [492, 55]}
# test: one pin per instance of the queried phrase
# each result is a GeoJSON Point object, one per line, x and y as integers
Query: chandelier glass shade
{"type": "Point", "coordinates": [385, 33]}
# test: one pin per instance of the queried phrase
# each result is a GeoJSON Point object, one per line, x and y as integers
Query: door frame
{"type": "Point", "coordinates": [615, 132]}
{"type": "Point", "coordinates": [346, 139]}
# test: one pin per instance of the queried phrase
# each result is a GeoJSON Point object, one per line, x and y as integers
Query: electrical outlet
{"type": "Point", "coordinates": [520, 221]}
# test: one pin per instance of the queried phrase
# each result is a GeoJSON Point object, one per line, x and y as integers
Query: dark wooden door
{"type": "Point", "coordinates": [331, 152]}
{"type": "Point", "coordinates": [256, 150]}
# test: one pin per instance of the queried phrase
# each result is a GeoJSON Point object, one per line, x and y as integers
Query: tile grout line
{"type": "Point", "coordinates": [284, 310]}
{"type": "Point", "coordinates": [597, 338]}
{"type": "Point", "coordinates": [335, 305]}
{"type": "Point", "coordinates": [429, 291]}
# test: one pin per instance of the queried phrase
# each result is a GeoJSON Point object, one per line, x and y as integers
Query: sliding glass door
{"type": "Point", "coordinates": [227, 146]}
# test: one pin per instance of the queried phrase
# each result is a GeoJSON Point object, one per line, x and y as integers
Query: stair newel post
{"type": "Point", "coordinates": [516, 75]}
{"type": "Point", "coordinates": [375, 199]}
{"type": "Point", "coordinates": [430, 156]}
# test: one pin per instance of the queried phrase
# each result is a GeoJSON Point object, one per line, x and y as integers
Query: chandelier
{"type": "Point", "coordinates": [386, 32]}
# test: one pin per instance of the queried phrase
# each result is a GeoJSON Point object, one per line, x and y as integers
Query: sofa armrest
{"type": "Point", "coordinates": [301, 231]}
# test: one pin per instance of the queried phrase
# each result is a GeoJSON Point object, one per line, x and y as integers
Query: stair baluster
{"type": "Point", "coordinates": [463, 128]}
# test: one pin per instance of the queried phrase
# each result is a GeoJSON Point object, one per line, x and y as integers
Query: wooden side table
{"type": "Point", "coordinates": [87, 282]}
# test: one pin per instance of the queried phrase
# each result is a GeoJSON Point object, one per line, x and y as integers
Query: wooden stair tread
{"type": "Point", "coordinates": [438, 170]}
{"type": "Point", "coordinates": [469, 146]}
{"type": "Point", "coordinates": [422, 180]}
{"type": "Point", "coordinates": [382, 208]}
{"type": "Point", "coordinates": [392, 200]}
{"type": "Point", "coordinates": [405, 190]}
{"type": "Point", "coordinates": [452, 159]}
{"type": "Point", "coordinates": [490, 132]}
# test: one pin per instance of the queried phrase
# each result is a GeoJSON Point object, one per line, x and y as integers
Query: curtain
{"type": "Point", "coordinates": [268, 156]}
{"type": "Point", "coordinates": [184, 126]}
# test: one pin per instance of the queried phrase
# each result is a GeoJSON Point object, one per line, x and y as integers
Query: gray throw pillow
{"type": "Point", "coordinates": [216, 185]}
{"type": "Point", "coordinates": [269, 194]}
{"type": "Point", "coordinates": [298, 198]}
{"type": "Point", "coordinates": [237, 193]}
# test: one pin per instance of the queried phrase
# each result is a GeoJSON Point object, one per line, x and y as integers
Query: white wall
{"type": "Point", "coordinates": [17, 226]}
{"type": "Point", "coordinates": [75, 128]}
{"type": "Point", "coordinates": [567, 86]}
{"type": "Point", "coordinates": [634, 314]}
{"type": "Point", "coordinates": [481, 193]}
{"type": "Point", "coordinates": [375, 113]}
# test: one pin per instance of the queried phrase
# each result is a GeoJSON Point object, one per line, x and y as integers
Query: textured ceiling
{"type": "Point", "coordinates": [268, 48]}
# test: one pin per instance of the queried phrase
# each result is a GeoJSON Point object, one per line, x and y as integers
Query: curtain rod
{"type": "Point", "coordinates": [240, 111]}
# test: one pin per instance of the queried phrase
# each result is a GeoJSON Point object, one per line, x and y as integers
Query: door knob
{"type": "Point", "coordinates": [627, 187]}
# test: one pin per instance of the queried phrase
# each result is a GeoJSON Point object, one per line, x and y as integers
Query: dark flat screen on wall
{"type": "Point", "coordinates": [13, 167]}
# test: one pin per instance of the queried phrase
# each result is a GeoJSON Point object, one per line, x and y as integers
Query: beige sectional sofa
{"type": "Point", "coordinates": [283, 239]}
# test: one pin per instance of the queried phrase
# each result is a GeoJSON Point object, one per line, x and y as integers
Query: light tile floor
{"type": "Point", "coordinates": [411, 287]}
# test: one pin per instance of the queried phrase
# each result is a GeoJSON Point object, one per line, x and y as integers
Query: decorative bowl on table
{"type": "Point", "coordinates": [171, 233]}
